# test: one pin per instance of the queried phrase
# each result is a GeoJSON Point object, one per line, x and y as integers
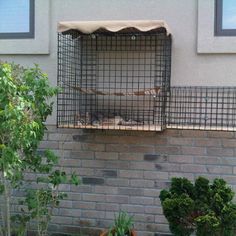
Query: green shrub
{"type": "Point", "coordinates": [204, 208]}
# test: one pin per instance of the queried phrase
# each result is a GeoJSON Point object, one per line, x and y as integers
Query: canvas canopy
{"type": "Point", "coordinates": [89, 27]}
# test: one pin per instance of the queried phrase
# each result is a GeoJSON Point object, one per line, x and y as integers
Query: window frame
{"type": "Point", "coordinates": [219, 31]}
{"type": "Point", "coordinates": [24, 35]}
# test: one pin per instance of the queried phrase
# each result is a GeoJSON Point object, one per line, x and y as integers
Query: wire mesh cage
{"type": "Point", "coordinates": [113, 80]}
{"type": "Point", "coordinates": [203, 108]}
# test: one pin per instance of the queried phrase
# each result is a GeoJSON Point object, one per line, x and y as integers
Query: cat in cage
{"type": "Point", "coordinates": [88, 118]}
{"type": "Point", "coordinates": [98, 118]}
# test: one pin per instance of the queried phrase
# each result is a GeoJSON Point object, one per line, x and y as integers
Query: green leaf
{"type": "Point", "coordinates": [75, 179]}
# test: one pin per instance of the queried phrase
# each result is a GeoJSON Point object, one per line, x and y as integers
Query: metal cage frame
{"type": "Point", "coordinates": [115, 81]}
{"type": "Point", "coordinates": [121, 81]}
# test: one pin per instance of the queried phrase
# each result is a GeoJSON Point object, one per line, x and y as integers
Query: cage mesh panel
{"type": "Point", "coordinates": [68, 56]}
{"type": "Point", "coordinates": [208, 108]}
{"type": "Point", "coordinates": [110, 81]}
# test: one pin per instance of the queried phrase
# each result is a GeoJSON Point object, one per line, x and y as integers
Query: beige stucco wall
{"type": "Point", "coordinates": [188, 66]}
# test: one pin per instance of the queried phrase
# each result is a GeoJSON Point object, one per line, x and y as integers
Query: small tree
{"type": "Point", "coordinates": [204, 208]}
{"type": "Point", "coordinates": [24, 107]}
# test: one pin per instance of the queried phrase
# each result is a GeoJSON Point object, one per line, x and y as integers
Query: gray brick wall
{"type": "Point", "coordinates": [127, 170]}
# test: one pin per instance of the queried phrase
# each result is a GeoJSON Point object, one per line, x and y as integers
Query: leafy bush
{"type": "Point", "coordinates": [24, 107]}
{"type": "Point", "coordinates": [122, 226]}
{"type": "Point", "coordinates": [204, 208]}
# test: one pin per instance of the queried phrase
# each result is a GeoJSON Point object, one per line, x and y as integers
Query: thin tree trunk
{"type": "Point", "coordinates": [2, 226]}
{"type": "Point", "coordinates": [2, 197]}
{"type": "Point", "coordinates": [7, 202]}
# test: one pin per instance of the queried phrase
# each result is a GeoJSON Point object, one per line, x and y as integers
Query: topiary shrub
{"type": "Point", "coordinates": [203, 208]}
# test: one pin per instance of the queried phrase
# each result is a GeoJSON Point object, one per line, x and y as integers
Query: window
{"type": "Point", "coordinates": [225, 18]}
{"type": "Point", "coordinates": [17, 19]}
{"type": "Point", "coordinates": [207, 40]}
{"type": "Point", "coordinates": [39, 43]}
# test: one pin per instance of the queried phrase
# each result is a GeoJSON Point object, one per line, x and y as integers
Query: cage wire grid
{"type": "Point", "coordinates": [113, 81]}
{"type": "Point", "coordinates": [122, 82]}
{"type": "Point", "coordinates": [202, 108]}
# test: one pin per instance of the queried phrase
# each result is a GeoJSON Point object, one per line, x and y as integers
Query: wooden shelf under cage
{"type": "Point", "coordinates": [198, 127]}
{"type": "Point", "coordinates": [156, 128]}
{"type": "Point", "coordinates": [115, 127]}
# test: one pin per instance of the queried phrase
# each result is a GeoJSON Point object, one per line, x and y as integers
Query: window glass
{"type": "Point", "coordinates": [16, 19]}
{"type": "Point", "coordinates": [229, 14]}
